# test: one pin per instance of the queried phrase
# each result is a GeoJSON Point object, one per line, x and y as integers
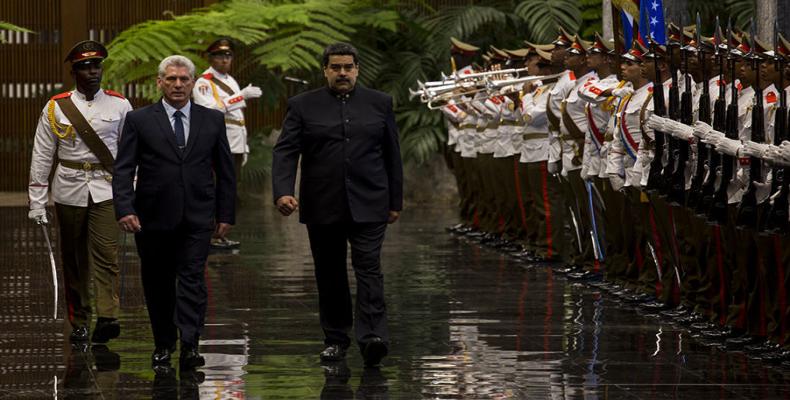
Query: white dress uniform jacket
{"type": "Point", "coordinates": [106, 114]}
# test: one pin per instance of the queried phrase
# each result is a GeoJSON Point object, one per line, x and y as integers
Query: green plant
{"type": "Point", "coordinates": [11, 27]}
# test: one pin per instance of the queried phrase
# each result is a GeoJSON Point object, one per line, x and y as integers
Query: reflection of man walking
{"type": "Point", "coordinates": [351, 187]}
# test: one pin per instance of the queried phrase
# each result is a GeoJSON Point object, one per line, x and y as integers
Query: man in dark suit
{"type": "Point", "coordinates": [185, 191]}
{"type": "Point", "coordinates": [351, 188]}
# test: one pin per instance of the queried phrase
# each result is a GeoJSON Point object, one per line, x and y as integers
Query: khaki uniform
{"type": "Point", "coordinates": [82, 192]}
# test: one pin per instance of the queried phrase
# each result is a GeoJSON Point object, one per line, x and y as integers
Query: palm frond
{"type": "Point", "coordinates": [543, 17]}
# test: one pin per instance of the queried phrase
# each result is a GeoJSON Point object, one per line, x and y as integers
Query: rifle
{"type": "Point", "coordinates": [654, 179]}
{"type": "Point", "coordinates": [747, 210]}
{"type": "Point", "coordinates": [695, 194]}
{"type": "Point", "coordinates": [717, 213]}
{"type": "Point", "coordinates": [719, 124]}
{"type": "Point", "coordinates": [680, 153]}
{"type": "Point", "coordinates": [674, 114]}
{"type": "Point", "coordinates": [777, 222]}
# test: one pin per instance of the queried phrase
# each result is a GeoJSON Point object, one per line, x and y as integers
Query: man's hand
{"type": "Point", "coordinates": [38, 216]}
{"type": "Point", "coordinates": [251, 92]}
{"type": "Point", "coordinates": [130, 223]}
{"type": "Point", "coordinates": [286, 205]}
{"type": "Point", "coordinates": [394, 215]}
{"type": "Point", "coordinates": [222, 229]}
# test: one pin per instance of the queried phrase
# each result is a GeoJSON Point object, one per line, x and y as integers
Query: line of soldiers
{"type": "Point", "coordinates": [636, 171]}
{"type": "Point", "coordinates": [77, 135]}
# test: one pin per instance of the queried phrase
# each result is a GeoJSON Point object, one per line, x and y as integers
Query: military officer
{"type": "Point", "coordinates": [216, 89]}
{"type": "Point", "coordinates": [82, 128]}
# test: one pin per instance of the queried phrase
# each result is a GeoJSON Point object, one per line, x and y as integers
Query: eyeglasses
{"type": "Point", "coordinates": [338, 67]}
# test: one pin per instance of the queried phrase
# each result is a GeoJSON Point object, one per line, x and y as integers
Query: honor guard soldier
{"type": "Point", "coordinates": [82, 127]}
{"type": "Point", "coordinates": [218, 90]}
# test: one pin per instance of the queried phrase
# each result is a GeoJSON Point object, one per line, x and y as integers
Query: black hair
{"type": "Point", "coordinates": [340, 49]}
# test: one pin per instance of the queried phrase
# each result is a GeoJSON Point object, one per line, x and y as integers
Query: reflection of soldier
{"type": "Point", "coordinates": [218, 90]}
{"type": "Point", "coordinates": [81, 380]}
{"type": "Point", "coordinates": [83, 127]}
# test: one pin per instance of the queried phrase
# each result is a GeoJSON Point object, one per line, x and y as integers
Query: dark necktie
{"type": "Point", "coordinates": [178, 127]}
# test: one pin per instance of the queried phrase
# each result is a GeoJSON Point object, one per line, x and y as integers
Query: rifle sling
{"type": "Point", "coordinates": [87, 133]}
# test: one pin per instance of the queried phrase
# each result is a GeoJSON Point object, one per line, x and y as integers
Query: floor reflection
{"type": "Point", "coordinates": [466, 322]}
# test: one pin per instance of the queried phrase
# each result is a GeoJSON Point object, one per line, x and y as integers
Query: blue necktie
{"type": "Point", "coordinates": [178, 127]}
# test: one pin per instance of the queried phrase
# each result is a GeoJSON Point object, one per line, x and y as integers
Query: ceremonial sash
{"type": "Point", "coordinates": [630, 145]}
{"type": "Point", "coordinates": [597, 136]}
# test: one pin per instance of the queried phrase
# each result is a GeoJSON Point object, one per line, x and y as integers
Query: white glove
{"type": "Point", "coordinates": [701, 129]}
{"type": "Point", "coordinates": [728, 146]}
{"type": "Point", "coordinates": [554, 167]}
{"type": "Point", "coordinates": [773, 154]}
{"type": "Point", "coordinates": [711, 137]}
{"type": "Point", "coordinates": [754, 149]}
{"type": "Point", "coordinates": [656, 122]}
{"type": "Point", "coordinates": [38, 216]}
{"type": "Point", "coordinates": [251, 92]}
{"type": "Point", "coordinates": [623, 91]}
{"type": "Point", "coordinates": [616, 181]}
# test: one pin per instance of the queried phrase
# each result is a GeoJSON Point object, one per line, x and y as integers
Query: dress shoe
{"type": "Point", "coordinates": [739, 342]}
{"type": "Point", "coordinates": [690, 319]}
{"type": "Point", "coordinates": [638, 298]}
{"type": "Point", "coordinates": [585, 276]}
{"type": "Point", "coordinates": [654, 305]}
{"type": "Point", "coordinates": [190, 358]}
{"type": "Point", "coordinates": [566, 269]}
{"type": "Point", "coordinates": [703, 326]}
{"type": "Point", "coordinates": [719, 334]}
{"type": "Point", "coordinates": [454, 228]}
{"type": "Point", "coordinates": [222, 243]}
{"type": "Point", "coordinates": [106, 329]}
{"type": "Point", "coordinates": [773, 357]}
{"type": "Point", "coordinates": [374, 350]}
{"type": "Point", "coordinates": [675, 313]}
{"type": "Point", "coordinates": [161, 355]}
{"type": "Point", "coordinates": [106, 360]}
{"type": "Point", "coordinates": [333, 352]}
{"type": "Point", "coordinates": [762, 347]}
{"type": "Point", "coordinates": [79, 334]}
{"type": "Point", "coordinates": [463, 230]}
{"type": "Point", "coordinates": [474, 234]}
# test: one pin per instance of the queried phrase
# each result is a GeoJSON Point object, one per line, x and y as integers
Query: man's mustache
{"type": "Point", "coordinates": [342, 80]}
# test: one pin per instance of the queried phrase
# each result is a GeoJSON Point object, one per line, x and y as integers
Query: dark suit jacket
{"type": "Point", "coordinates": [350, 156]}
{"type": "Point", "coordinates": [174, 187]}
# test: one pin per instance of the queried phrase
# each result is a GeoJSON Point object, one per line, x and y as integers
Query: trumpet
{"type": "Point", "coordinates": [495, 85]}
{"type": "Point", "coordinates": [484, 75]}
{"type": "Point", "coordinates": [492, 87]}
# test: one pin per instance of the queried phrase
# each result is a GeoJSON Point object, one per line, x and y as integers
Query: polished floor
{"type": "Point", "coordinates": [466, 322]}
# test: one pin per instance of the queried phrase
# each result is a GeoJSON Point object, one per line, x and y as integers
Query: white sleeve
{"type": "Point", "coordinates": [203, 94]}
{"type": "Point", "coordinates": [44, 146]}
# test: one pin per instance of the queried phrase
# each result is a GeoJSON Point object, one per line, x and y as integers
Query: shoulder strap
{"type": "Point", "coordinates": [554, 121]}
{"type": "Point", "coordinates": [648, 143]}
{"type": "Point", "coordinates": [222, 85]}
{"type": "Point", "coordinates": [86, 132]}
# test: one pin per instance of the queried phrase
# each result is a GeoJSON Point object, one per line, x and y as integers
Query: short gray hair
{"type": "Point", "coordinates": [176, 61]}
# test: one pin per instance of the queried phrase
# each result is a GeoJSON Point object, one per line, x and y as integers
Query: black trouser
{"type": "Point", "coordinates": [172, 267]}
{"type": "Point", "coordinates": [328, 244]}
